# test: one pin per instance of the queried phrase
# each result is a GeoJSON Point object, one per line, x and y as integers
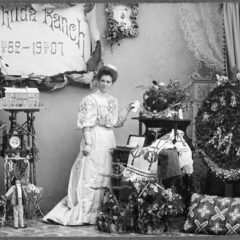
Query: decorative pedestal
{"type": "Point", "coordinates": [19, 149]}
{"type": "Point", "coordinates": [18, 143]}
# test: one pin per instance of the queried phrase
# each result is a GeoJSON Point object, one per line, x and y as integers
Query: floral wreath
{"type": "Point", "coordinates": [218, 129]}
{"type": "Point", "coordinates": [116, 30]}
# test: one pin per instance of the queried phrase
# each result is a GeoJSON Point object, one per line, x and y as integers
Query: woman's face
{"type": "Point", "coordinates": [105, 83]}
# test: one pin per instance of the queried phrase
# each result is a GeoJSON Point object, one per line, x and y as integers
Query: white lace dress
{"type": "Point", "coordinates": [81, 204]}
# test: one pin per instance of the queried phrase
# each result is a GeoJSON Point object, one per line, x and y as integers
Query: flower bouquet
{"type": "Point", "coordinates": [160, 100]}
{"type": "Point", "coordinates": [155, 205]}
{"type": "Point", "coordinates": [112, 216]}
{"type": "Point", "coordinates": [17, 169]}
{"type": "Point", "coordinates": [233, 79]}
{"type": "Point", "coordinates": [146, 211]}
{"type": "Point", "coordinates": [34, 195]}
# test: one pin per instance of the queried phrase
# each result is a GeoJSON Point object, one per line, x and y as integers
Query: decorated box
{"type": "Point", "coordinates": [23, 98]}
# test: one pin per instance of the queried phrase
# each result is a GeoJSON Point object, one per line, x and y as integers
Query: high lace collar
{"type": "Point", "coordinates": [102, 95]}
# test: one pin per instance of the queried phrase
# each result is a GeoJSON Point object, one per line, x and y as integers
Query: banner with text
{"type": "Point", "coordinates": [47, 42]}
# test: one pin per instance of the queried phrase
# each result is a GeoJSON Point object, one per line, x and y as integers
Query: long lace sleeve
{"type": "Point", "coordinates": [87, 113]}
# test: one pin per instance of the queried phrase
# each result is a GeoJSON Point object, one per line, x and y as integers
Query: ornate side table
{"type": "Point", "coordinates": [157, 127]}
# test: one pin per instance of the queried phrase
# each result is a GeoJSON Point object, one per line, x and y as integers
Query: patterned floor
{"type": "Point", "coordinates": [37, 228]}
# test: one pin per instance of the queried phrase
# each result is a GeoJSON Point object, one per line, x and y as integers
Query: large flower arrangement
{"type": "Point", "coordinates": [118, 30]}
{"type": "Point", "coordinates": [160, 100]}
{"type": "Point", "coordinates": [155, 205]}
{"type": "Point", "coordinates": [146, 211]}
{"type": "Point", "coordinates": [218, 129]}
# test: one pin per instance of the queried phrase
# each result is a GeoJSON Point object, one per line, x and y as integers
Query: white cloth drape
{"type": "Point", "coordinates": [143, 162]}
{"type": "Point", "coordinates": [232, 29]}
{"type": "Point", "coordinates": [202, 26]}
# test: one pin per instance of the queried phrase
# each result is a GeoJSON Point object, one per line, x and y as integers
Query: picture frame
{"type": "Point", "coordinates": [121, 21]}
{"type": "Point", "coordinates": [136, 141]}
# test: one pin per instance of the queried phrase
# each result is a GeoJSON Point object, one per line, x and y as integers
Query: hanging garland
{"type": "Point", "coordinates": [218, 129]}
{"type": "Point", "coordinates": [49, 83]}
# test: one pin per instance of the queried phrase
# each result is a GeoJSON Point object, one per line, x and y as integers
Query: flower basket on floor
{"type": "Point", "coordinates": [155, 205]}
{"type": "Point", "coordinates": [34, 195]}
{"type": "Point", "coordinates": [114, 215]}
{"type": "Point", "coordinates": [146, 211]}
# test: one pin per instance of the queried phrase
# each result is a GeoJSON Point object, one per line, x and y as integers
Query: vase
{"type": "Point", "coordinates": [180, 113]}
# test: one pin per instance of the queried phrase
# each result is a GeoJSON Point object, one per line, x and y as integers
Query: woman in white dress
{"type": "Point", "coordinates": [98, 114]}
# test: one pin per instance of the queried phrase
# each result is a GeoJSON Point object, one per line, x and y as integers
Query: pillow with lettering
{"type": "Point", "coordinates": [213, 215]}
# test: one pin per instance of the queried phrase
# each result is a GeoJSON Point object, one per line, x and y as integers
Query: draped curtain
{"type": "Point", "coordinates": [202, 26]}
{"type": "Point", "coordinates": [232, 31]}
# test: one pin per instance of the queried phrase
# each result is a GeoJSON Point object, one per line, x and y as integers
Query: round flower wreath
{"type": "Point", "coordinates": [218, 130]}
{"type": "Point", "coordinates": [117, 31]}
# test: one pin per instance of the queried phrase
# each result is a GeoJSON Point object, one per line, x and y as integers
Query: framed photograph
{"type": "Point", "coordinates": [136, 141]}
{"type": "Point", "coordinates": [121, 14]}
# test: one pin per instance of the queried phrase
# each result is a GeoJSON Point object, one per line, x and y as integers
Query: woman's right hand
{"type": "Point", "coordinates": [87, 149]}
{"type": "Point", "coordinates": [130, 106]}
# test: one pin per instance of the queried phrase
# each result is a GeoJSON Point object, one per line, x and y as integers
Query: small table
{"type": "Point", "coordinates": [162, 126]}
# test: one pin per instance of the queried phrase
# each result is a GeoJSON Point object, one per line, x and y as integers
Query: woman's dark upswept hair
{"type": "Point", "coordinates": [107, 71]}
